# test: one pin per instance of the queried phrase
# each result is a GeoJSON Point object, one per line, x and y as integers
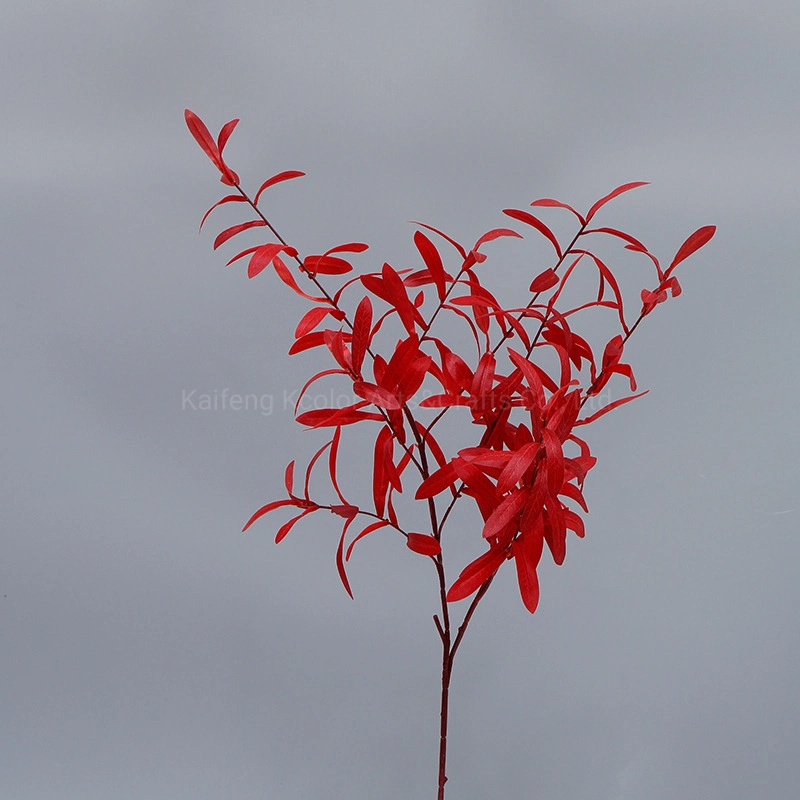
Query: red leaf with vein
{"type": "Point", "coordinates": [234, 229]}
{"type": "Point", "coordinates": [310, 320]}
{"type": "Point", "coordinates": [549, 202]}
{"type": "Point", "coordinates": [339, 557]}
{"type": "Point", "coordinates": [376, 395]}
{"type": "Point", "coordinates": [231, 198]}
{"type": "Point", "coordinates": [423, 544]}
{"type": "Point", "coordinates": [475, 574]}
{"type": "Point", "coordinates": [529, 219]}
{"type": "Point", "coordinates": [225, 134]}
{"type": "Point", "coordinates": [504, 513]}
{"type": "Point", "coordinates": [266, 509]}
{"type": "Point", "coordinates": [626, 187]}
{"type": "Point", "coordinates": [286, 276]}
{"type": "Point", "coordinates": [287, 526]}
{"type": "Point", "coordinates": [324, 417]}
{"type": "Point", "coordinates": [437, 482]}
{"type": "Point", "coordinates": [699, 238]}
{"type": "Point", "coordinates": [433, 261]}
{"type": "Point", "coordinates": [281, 176]}
{"type": "Point", "coordinates": [543, 281]}
{"type": "Point", "coordinates": [527, 551]}
{"type": "Point", "coordinates": [362, 327]}
{"type": "Point", "coordinates": [262, 258]}
{"type": "Point", "coordinates": [366, 532]}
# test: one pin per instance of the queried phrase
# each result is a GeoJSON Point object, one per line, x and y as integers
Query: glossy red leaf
{"type": "Point", "coordinates": [549, 202]}
{"type": "Point", "coordinates": [362, 329]}
{"type": "Point", "coordinates": [325, 417]}
{"type": "Point", "coordinates": [231, 198]}
{"type": "Point", "coordinates": [286, 276]}
{"type": "Point", "coordinates": [262, 258]}
{"type": "Point", "coordinates": [530, 219]}
{"type": "Point", "coordinates": [462, 252]}
{"type": "Point", "coordinates": [307, 341]}
{"type": "Point", "coordinates": [225, 134]}
{"type": "Point", "coordinates": [288, 477]}
{"type": "Point", "coordinates": [281, 176]}
{"type": "Point", "coordinates": [475, 574]}
{"type": "Point", "coordinates": [287, 526]}
{"type": "Point", "coordinates": [699, 238]}
{"type": "Point", "coordinates": [626, 187]}
{"type": "Point", "coordinates": [543, 281]}
{"type": "Point", "coordinates": [516, 467]}
{"type": "Point", "coordinates": [376, 395]}
{"type": "Point", "coordinates": [433, 261]}
{"type": "Point", "coordinates": [510, 506]}
{"type": "Point", "coordinates": [366, 532]}
{"type": "Point", "coordinates": [310, 320]}
{"type": "Point", "coordinates": [202, 135]}
{"type": "Point", "coordinates": [266, 509]}
{"type": "Point", "coordinates": [437, 482]}
{"type": "Point", "coordinates": [327, 265]}
{"type": "Point", "coordinates": [333, 455]}
{"type": "Point", "coordinates": [340, 559]}
{"type": "Point", "coordinates": [493, 234]}
{"type": "Point", "coordinates": [423, 544]}
{"type": "Point", "coordinates": [610, 407]}
{"type": "Point", "coordinates": [527, 551]}
{"type": "Point", "coordinates": [234, 229]}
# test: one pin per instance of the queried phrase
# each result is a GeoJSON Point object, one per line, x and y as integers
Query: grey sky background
{"type": "Point", "coordinates": [150, 650]}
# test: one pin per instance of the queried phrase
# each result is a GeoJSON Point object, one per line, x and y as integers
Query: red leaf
{"type": "Point", "coordinates": [202, 136]}
{"type": "Point", "coordinates": [288, 279]}
{"type": "Point", "coordinates": [266, 509]}
{"type": "Point", "coordinates": [462, 252]}
{"type": "Point", "coordinates": [369, 529]}
{"type": "Point", "coordinates": [309, 340]}
{"type": "Point", "coordinates": [549, 202]}
{"type": "Point", "coordinates": [437, 482]}
{"type": "Point", "coordinates": [345, 510]}
{"type": "Point", "coordinates": [433, 261]}
{"type": "Point", "coordinates": [287, 526]}
{"type": "Point", "coordinates": [626, 187]}
{"type": "Point", "coordinates": [376, 395]}
{"type": "Point", "coordinates": [339, 559]}
{"type": "Point", "coordinates": [517, 466]}
{"type": "Point", "coordinates": [493, 234]}
{"type": "Point", "coordinates": [699, 238]}
{"type": "Point", "coordinates": [225, 134]}
{"type": "Point", "coordinates": [231, 198]}
{"type": "Point", "coordinates": [475, 574]}
{"type": "Point", "coordinates": [527, 552]}
{"type": "Point", "coordinates": [620, 235]}
{"type": "Point", "coordinates": [281, 176]}
{"type": "Point", "coordinates": [543, 281]}
{"type": "Point", "coordinates": [423, 544]}
{"type": "Point", "coordinates": [362, 326]}
{"type": "Point", "coordinates": [323, 417]}
{"type": "Point", "coordinates": [504, 513]}
{"type": "Point", "coordinates": [350, 247]}
{"type": "Point", "coordinates": [234, 229]}
{"type": "Point", "coordinates": [610, 407]}
{"type": "Point", "coordinates": [529, 219]}
{"type": "Point", "coordinates": [327, 265]}
{"type": "Point", "coordinates": [262, 258]}
{"type": "Point", "coordinates": [310, 320]}
{"type": "Point", "coordinates": [288, 477]}
{"type": "Point", "coordinates": [332, 456]}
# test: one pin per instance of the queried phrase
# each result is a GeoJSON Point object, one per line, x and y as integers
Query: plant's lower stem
{"type": "Point", "coordinates": [447, 666]}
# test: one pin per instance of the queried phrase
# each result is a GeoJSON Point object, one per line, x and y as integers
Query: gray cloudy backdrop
{"type": "Point", "coordinates": [149, 650]}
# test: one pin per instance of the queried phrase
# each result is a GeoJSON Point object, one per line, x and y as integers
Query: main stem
{"type": "Point", "coordinates": [448, 655]}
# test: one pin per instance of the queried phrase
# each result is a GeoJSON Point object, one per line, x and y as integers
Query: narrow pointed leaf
{"type": "Point", "coordinates": [234, 229]}
{"type": "Point", "coordinates": [699, 238]}
{"type": "Point", "coordinates": [423, 544]}
{"type": "Point", "coordinates": [529, 219]}
{"type": "Point", "coordinates": [281, 176]}
{"type": "Point", "coordinates": [626, 187]}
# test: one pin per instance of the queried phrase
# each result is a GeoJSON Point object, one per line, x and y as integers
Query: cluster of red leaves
{"type": "Point", "coordinates": [519, 474]}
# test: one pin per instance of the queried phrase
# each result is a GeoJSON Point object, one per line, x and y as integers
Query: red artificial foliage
{"type": "Point", "coordinates": [521, 462]}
